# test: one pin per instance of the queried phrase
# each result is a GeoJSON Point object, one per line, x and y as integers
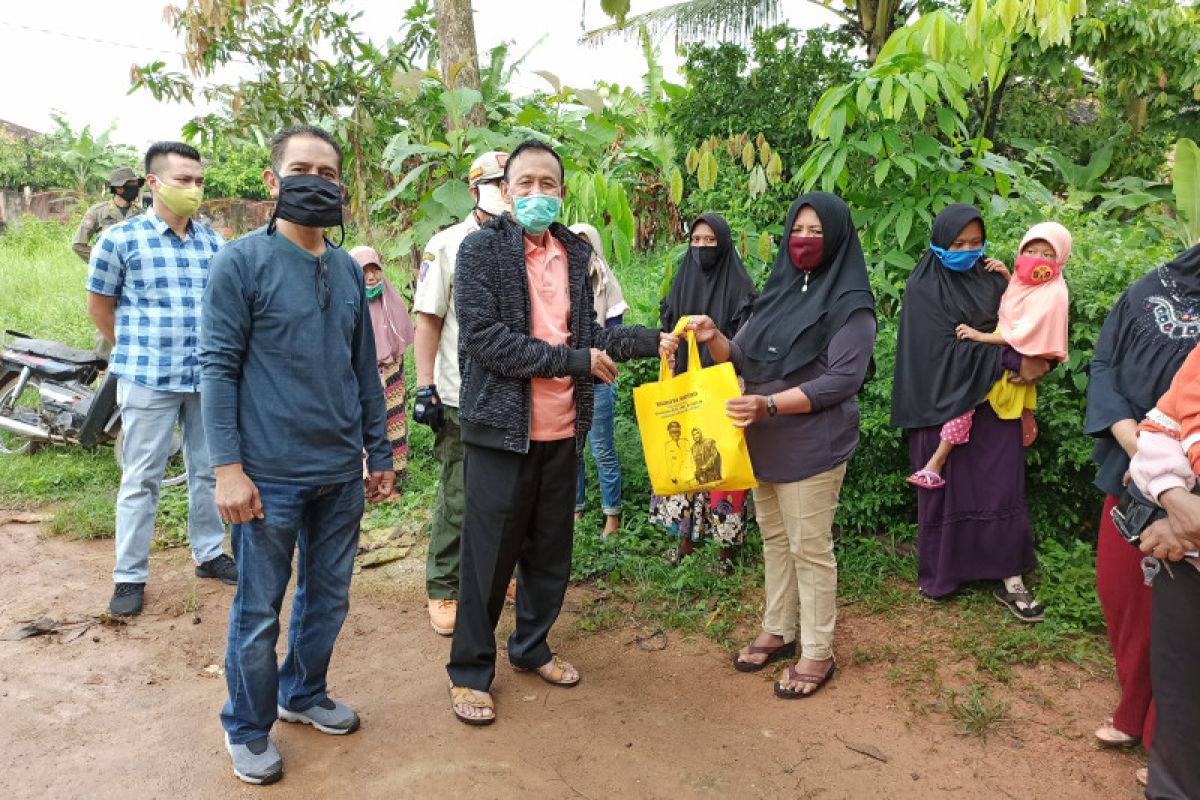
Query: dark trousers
{"type": "Point", "coordinates": [1175, 674]}
{"type": "Point", "coordinates": [518, 512]}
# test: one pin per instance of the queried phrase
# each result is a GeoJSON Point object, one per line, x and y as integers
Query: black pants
{"type": "Point", "coordinates": [518, 512]}
{"type": "Point", "coordinates": [1175, 675]}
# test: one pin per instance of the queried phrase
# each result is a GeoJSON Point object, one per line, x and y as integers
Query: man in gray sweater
{"type": "Point", "coordinates": [291, 399]}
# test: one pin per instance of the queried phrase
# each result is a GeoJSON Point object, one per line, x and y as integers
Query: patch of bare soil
{"type": "Point", "coordinates": [131, 710]}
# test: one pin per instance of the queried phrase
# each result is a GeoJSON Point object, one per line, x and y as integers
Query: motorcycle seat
{"type": "Point", "coordinates": [57, 351]}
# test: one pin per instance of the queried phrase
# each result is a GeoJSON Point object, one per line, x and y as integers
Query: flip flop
{"type": "Point", "coordinates": [925, 479]}
{"type": "Point", "coordinates": [1109, 736]}
{"type": "Point", "coordinates": [793, 675]}
{"type": "Point", "coordinates": [465, 696]}
{"type": "Point", "coordinates": [555, 675]}
{"type": "Point", "coordinates": [787, 650]}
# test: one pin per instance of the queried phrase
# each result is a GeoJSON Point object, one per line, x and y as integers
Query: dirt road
{"type": "Point", "coordinates": [131, 711]}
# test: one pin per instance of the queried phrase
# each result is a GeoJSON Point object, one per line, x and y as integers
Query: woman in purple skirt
{"type": "Point", "coordinates": [976, 527]}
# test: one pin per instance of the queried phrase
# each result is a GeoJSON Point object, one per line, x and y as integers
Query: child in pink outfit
{"type": "Point", "coordinates": [1032, 321]}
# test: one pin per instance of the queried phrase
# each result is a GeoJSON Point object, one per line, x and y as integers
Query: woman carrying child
{"type": "Point", "coordinates": [977, 526]}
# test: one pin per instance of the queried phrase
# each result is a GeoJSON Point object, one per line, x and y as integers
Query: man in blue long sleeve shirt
{"type": "Point", "coordinates": [291, 399]}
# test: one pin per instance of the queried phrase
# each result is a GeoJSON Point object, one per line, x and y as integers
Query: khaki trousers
{"type": "Point", "coordinates": [796, 520]}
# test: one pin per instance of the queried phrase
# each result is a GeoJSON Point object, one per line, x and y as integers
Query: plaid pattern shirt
{"type": "Point", "coordinates": [158, 280]}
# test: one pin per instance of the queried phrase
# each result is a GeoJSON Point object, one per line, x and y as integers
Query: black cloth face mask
{"type": "Point", "coordinates": [130, 193]}
{"type": "Point", "coordinates": [309, 200]}
{"type": "Point", "coordinates": [706, 256]}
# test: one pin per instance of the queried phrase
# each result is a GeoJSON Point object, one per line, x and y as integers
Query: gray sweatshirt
{"type": "Point", "coordinates": [289, 390]}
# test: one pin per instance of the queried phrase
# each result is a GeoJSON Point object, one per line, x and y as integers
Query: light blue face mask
{"type": "Point", "coordinates": [958, 260]}
{"type": "Point", "coordinates": [536, 212]}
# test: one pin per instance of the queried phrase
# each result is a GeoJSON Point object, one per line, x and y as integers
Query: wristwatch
{"type": "Point", "coordinates": [771, 409]}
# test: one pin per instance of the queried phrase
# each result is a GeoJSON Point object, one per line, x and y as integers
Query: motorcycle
{"type": "Point", "coordinates": [46, 397]}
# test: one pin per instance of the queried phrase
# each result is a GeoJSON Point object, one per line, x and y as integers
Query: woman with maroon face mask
{"type": "Point", "coordinates": [804, 354]}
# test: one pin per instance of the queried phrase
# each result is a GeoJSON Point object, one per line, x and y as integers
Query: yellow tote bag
{"type": "Point", "coordinates": [689, 443]}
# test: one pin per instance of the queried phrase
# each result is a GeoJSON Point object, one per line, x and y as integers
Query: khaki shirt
{"type": "Point", "coordinates": [435, 295]}
{"type": "Point", "coordinates": [98, 219]}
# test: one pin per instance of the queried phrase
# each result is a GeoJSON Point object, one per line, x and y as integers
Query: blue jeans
{"type": "Point", "coordinates": [322, 524]}
{"type": "Point", "coordinates": [604, 453]}
{"type": "Point", "coordinates": [148, 419]}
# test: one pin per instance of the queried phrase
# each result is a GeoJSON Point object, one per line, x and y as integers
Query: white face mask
{"type": "Point", "coordinates": [490, 199]}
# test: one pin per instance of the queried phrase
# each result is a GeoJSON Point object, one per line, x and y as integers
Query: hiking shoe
{"type": "Point", "coordinates": [442, 614]}
{"type": "Point", "coordinates": [327, 716]}
{"type": "Point", "coordinates": [127, 599]}
{"type": "Point", "coordinates": [255, 762]}
{"type": "Point", "coordinates": [222, 568]}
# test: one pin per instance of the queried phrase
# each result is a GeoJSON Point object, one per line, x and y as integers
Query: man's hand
{"type": "Point", "coordinates": [997, 266]}
{"type": "Point", "coordinates": [603, 367]}
{"type": "Point", "coordinates": [668, 343]}
{"type": "Point", "coordinates": [380, 485]}
{"type": "Point", "coordinates": [968, 333]}
{"type": "Point", "coordinates": [237, 496]}
{"type": "Point", "coordinates": [746, 410]}
{"type": "Point", "coordinates": [1163, 542]}
{"type": "Point", "coordinates": [1183, 512]}
{"type": "Point", "coordinates": [428, 408]}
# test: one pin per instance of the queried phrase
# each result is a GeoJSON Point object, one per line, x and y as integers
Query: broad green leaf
{"type": "Point", "coordinates": [885, 97]}
{"type": "Point", "coordinates": [881, 171]}
{"type": "Point", "coordinates": [592, 100]}
{"type": "Point", "coordinates": [692, 161]}
{"type": "Point", "coordinates": [906, 164]}
{"type": "Point", "coordinates": [901, 96]}
{"type": "Point", "coordinates": [973, 25]}
{"type": "Point", "coordinates": [837, 125]}
{"type": "Point", "coordinates": [917, 98]}
{"type": "Point", "coordinates": [748, 156]}
{"type": "Point", "coordinates": [1009, 12]}
{"type": "Point", "coordinates": [926, 145]}
{"type": "Point", "coordinates": [775, 169]}
{"type": "Point", "coordinates": [904, 223]}
{"type": "Point", "coordinates": [1185, 183]}
{"type": "Point", "coordinates": [947, 121]}
{"type": "Point", "coordinates": [894, 143]}
{"type": "Point", "coordinates": [676, 187]}
{"type": "Point", "coordinates": [863, 96]}
{"type": "Point", "coordinates": [455, 197]}
{"type": "Point", "coordinates": [874, 143]}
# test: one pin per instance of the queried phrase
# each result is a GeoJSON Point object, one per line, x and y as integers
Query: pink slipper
{"type": "Point", "coordinates": [925, 479]}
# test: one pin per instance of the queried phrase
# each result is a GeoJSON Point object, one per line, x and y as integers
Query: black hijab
{"type": "Point", "coordinates": [791, 327]}
{"type": "Point", "coordinates": [724, 292]}
{"type": "Point", "coordinates": [938, 376]}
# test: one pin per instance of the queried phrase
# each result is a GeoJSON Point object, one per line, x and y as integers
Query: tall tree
{"type": "Point", "coordinates": [456, 48]}
{"type": "Point", "coordinates": [871, 21]}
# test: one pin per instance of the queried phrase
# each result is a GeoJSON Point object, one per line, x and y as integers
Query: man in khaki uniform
{"type": "Point", "coordinates": [435, 349]}
{"type": "Point", "coordinates": [125, 186]}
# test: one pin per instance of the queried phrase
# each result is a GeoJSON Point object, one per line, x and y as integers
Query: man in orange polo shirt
{"type": "Point", "coordinates": [529, 347]}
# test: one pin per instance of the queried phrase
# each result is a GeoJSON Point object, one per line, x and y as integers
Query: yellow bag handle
{"type": "Point", "coordinates": [664, 369]}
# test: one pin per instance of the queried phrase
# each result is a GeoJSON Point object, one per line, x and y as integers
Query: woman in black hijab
{"type": "Point", "coordinates": [977, 527]}
{"type": "Point", "coordinates": [1143, 343]}
{"type": "Point", "coordinates": [804, 355]}
{"type": "Point", "coordinates": [711, 280]}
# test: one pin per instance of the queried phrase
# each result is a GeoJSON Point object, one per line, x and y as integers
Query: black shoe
{"type": "Point", "coordinates": [127, 599]}
{"type": "Point", "coordinates": [222, 567]}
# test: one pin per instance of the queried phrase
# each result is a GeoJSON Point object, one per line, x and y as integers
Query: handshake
{"type": "Point", "coordinates": [605, 369]}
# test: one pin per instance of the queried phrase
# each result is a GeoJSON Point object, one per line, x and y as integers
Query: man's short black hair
{"type": "Point", "coordinates": [534, 144]}
{"type": "Point", "coordinates": [160, 150]}
{"type": "Point", "coordinates": [280, 141]}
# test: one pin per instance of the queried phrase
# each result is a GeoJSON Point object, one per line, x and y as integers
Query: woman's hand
{"type": "Point", "coordinates": [997, 266]}
{"type": "Point", "coordinates": [746, 410]}
{"type": "Point", "coordinates": [1032, 371]}
{"type": "Point", "coordinates": [703, 326]}
{"type": "Point", "coordinates": [968, 333]}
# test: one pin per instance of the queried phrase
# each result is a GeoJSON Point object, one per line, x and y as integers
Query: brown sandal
{"type": "Point", "coordinates": [786, 650]}
{"type": "Point", "coordinates": [793, 675]}
{"type": "Point", "coordinates": [466, 696]}
{"type": "Point", "coordinates": [555, 675]}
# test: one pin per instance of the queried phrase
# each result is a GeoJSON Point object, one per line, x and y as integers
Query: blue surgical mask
{"type": "Point", "coordinates": [536, 212]}
{"type": "Point", "coordinates": [958, 260]}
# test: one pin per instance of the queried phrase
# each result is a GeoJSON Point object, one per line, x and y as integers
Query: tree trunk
{"type": "Point", "coordinates": [456, 46]}
{"type": "Point", "coordinates": [877, 19]}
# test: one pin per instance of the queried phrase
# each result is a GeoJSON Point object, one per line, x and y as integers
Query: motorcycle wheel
{"type": "Point", "coordinates": [176, 474]}
{"type": "Point", "coordinates": [27, 408]}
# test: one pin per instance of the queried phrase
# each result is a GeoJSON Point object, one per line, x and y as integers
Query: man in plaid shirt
{"type": "Point", "coordinates": [145, 281]}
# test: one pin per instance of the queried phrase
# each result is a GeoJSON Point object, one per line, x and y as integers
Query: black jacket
{"type": "Point", "coordinates": [497, 355]}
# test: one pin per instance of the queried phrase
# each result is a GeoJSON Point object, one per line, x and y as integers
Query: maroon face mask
{"type": "Point", "coordinates": [806, 251]}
